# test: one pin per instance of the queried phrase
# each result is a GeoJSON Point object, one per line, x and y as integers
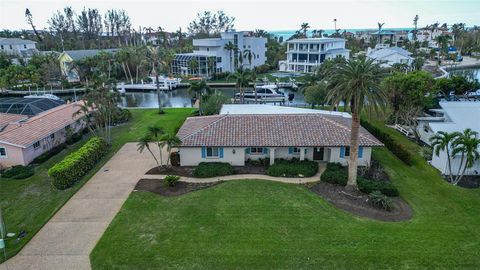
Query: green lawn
{"type": "Point", "coordinates": [28, 204]}
{"type": "Point", "coordinates": [259, 224]}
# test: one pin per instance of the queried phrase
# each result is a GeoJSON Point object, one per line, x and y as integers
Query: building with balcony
{"type": "Point", "coordinates": [303, 55]}
{"type": "Point", "coordinates": [211, 55]}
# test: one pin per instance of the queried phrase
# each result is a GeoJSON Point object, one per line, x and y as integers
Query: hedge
{"type": "Point", "coordinates": [212, 169]}
{"type": "Point", "coordinates": [77, 164]}
{"type": "Point", "coordinates": [394, 147]}
{"type": "Point", "coordinates": [18, 172]}
{"type": "Point", "coordinates": [293, 168]}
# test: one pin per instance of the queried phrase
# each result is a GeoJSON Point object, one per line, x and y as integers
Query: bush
{"type": "Point", "coordinates": [338, 177]}
{"type": "Point", "coordinates": [122, 116]}
{"type": "Point", "coordinates": [368, 186]}
{"type": "Point", "coordinates": [263, 68]}
{"type": "Point", "coordinates": [171, 180]}
{"type": "Point", "coordinates": [18, 172]}
{"type": "Point", "coordinates": [47, 155]}
{"type": "Point", "coordinates": [293, 168]}
{"type": "Point", "coordinates": [74, 137]}
{"type": "Point", "coordinates": [394, 147]}
{"type": "Point", "coordinates": [77, 164]}
{"type": "Point", "coordinates": [212, 169]}
{"type": "Point", "coordinates": [377, 199]}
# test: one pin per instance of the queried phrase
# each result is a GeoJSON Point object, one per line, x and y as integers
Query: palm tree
{"type": "Point", "coordinates": [242, 79]}
{"type": "Point", "coordinates": [170, 141]}
{"type": "Point", "coordinates": [230, 47]}
{"type": "Point", "coordinates": [211, 61]}
{"type": "Point", "coordinates": [304, 28]}
{"type": "Point", "coordinates": [357, 82]}
{"type": "Point", "coordinates": [144, 143]}
{"type": "Point", "coordinates": [154, 53]}
{"type": "Point", "coordinates": [415, 23]}
{"type": "Point", "coordinates": [442, 141]}
{"type": "Point", "coordinates": [380, 25]}
{"type": "Point", "coordinates": [468, 145]}
{"type": "Point", "coordinates": [198, 88]}
{"type": "Point", "coordinates": [193, 64]}
{"type": "Point", "coordinates": [157, 132]}
{"type": "Point", "coordinates": [249, 55]}
{"type": "Point", "coordinates": [29, 17]}
{"type": "Point", "coordinates": [442, 43]}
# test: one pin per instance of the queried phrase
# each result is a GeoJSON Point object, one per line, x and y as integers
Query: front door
{"type": "Point", "coordinates": [318, 153]}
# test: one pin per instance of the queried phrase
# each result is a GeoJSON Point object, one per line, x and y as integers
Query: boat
{"type": "Point", "coordinates": [269, 86]}
{"type": "Point", "coordinates": [262, 95]}
{"type": "Point", "coordinates": [49, 96]}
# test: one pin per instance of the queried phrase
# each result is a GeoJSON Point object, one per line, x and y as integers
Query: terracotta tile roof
{"type": "Point", "coordinates": [40, 126]}
{"type": "Point", "coordinates": [283, 130]}
{"type": "Point", "coordinates": [7, 118]}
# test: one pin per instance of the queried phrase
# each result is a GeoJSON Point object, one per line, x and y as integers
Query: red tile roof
{"type": "Point", "coordinates": [7, 118]}
{"type": "Point", "coordinates": [40, 126]}
{"type": "Point", "coordinates": [285, 130]}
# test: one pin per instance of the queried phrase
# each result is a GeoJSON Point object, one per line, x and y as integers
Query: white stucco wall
{"type": "Point", "coordinates": [363, 161]}
{"type": "Point", "coordinates": [441, 163]}
{"type": "Point", "coordinates": [192, 156]}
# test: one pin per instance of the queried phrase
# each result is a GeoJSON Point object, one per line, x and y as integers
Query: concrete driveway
{"type": "Point", "coordinates": [66, 241]}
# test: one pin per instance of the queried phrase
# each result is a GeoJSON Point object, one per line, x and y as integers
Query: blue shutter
{"type": "Point", "coordinates": [360, 152]}
{"type": "Point", "coordinates": [247, 150]}
{"type": "Point", "coordinates": [290, 150]}
{"type": "Point", "coordinates": [342, 152]}
{"type": "Point", "coordinates": [265, 150]}
{"type": "Point", "coordinates": [220, 150]}
{"type": "Point", "coordinates": [204, 152]}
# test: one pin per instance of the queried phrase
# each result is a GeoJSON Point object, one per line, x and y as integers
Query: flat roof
{"type": "Point", "coordinates": [314, 40]}
{"type": "Point", "coordinates": [272, 109]}
{"type": "Point", "coordinates": [463, 115]}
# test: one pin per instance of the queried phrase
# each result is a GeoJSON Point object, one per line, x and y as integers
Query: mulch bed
{"type": "Point", "coordinates": [187, 170]}
{"type": "Point", "coordinates": [357, 203]}
{"type": "Point", "coordinates": [157, 186]}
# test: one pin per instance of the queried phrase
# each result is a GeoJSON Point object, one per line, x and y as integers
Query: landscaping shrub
{"type": "Point", "coordinates": [171, 180]}
{"type": "Point", "coordinates": [378, 199]}
{"type": "Point", "coordinates": [293, 168]}
{"type": "Point", "coordinates": [212, 169]}
{"type": "Point", "coordinates": [74, 137]}
{"type": "Point", "coordinates": [338, 177]}
{"type": "Point", "coordinates": [77, 164]}
{"type": "Point", "coordinates": [394, 147]}
{"type": "Point", "coordinates": [368, 186]}
{"type": "Point", "coordinates": [18, 172]}
{"type": "Point", "coordinates": [47, 155]}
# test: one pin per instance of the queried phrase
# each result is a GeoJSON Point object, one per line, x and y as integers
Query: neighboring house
{"type": "Point", "coordinates": [28, 106]}
{"type": "Point", "coordinates": [387, 56]}
{"type": "Point", "coordinates": [453, 116]}
{"type": "Point", "coordinates": [22, 48]}
{"type": "Point", "coordinates": [396, 38]}
{"type": "Point", "coordinates": [273, 109]}
{"type": "Point", "coordinates": [23, 139]}
{"type": "Point", "coordinates": [67, 61]}
{"type": "Point", "coordinates": [237, 138]}
{"type": "Point", "coordinates": [211, 55]}
{"type": "Point", "coordinates": [430, 35]}
{"type": "Point", "coordinates": [304, 55]}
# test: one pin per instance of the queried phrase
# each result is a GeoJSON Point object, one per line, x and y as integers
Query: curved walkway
{"type": "Point", "coordinates": [66, 240]}
{"type": "Point", "coordinates": [292, 180]}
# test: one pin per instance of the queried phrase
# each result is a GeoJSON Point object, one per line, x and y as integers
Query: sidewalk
{"type": "Point", "coordinates": [66, 241]}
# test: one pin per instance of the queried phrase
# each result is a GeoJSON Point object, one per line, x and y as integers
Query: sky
{"type": "Point", "coordinates": [257, 14]}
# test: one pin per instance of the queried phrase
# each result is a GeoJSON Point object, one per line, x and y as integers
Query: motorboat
{"type": "Point", "coordinates": [269, 86]}
{"type": "Point", "coordinates": [262, 95]}
{"type": "Point", "coordinates": [49, 96]}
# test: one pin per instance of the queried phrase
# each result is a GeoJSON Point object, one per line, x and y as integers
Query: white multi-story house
{"type": "Point", "coordinates": [303, 55]}
{"type": "Point", "coordinates": [19, 48]}
{"type": "Point", "coordinates": [212, 54]}
{"type": "Point", "coordinates": [431, 34]}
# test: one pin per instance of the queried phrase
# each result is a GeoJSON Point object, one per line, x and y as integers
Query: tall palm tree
{"type": "Point", "coordinates": [199, 88]}
{"type": "Point", "coordinates": [468, 145]}
{"type": "Point", "coordinates": [249, 55]}
{"type": "Point", "coordinates": [442, 42]}
{"type": "Point", "coordinates": [156, 132]}
{"type": "Point", "coordinates": [442, 141]}
{"type": "Point", "coordinates": [242, 79]}
{"type": "Point", "coordinates": [415, 23]}
{"type": "Point", "coordinates": [170, 141]}
{"type": "Point", "coordinates": [154, 53]}
{"type": "Point", "coordinates": [144, 143]}
{"type": "Point", "coordinates": [230, 47]}
{"type": "Point", "coordinates": [380, 25]}
{"type": "Point", "coordinates": [304, 28]}
{"type": "Point", "coordinates": [193, 64]}
{"type": "Point", "coordinates": [357, 82]}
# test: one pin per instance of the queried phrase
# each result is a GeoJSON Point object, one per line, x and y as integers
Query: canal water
{"type": "Point", "coordinates": [180, 98]}
{"type": "Point", "coordinates": [471, 73]}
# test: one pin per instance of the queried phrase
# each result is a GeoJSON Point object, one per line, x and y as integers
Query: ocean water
{"type": "Point", "coordinates": [288, 33]}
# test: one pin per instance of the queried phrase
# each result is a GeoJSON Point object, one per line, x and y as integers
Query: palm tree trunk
{"type": "Point", "coordinates": [158, 93]}
{"type": "Point", "coordinates": [461, 175]}
{"type": "Point", "coordinates": [154, 157]}
{"type": "Point", "coordinates": [459, 168]}
{"type": "Point", "coordinates": [449, 165]}
{"type": "Point", "coordinates": [352, 165]}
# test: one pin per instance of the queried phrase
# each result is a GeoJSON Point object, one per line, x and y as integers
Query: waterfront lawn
{"type": "Point", "coordinates": [259, 224]}
{"type": "Point", "coordinates": [28, 204]}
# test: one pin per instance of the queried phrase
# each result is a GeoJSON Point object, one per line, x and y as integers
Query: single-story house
{"type": "Point", "coordinates": [388, 56]}
{"type": "Point", "coordinates": [236, 138]}
{"type": "Point", "coordinates": [22, 139]}
{"type": "Point", "coordinates": [453, 116]}
{"type": "Point", "coordinates": [67, 61]}
{"type": "Point", "coordinates": [18, 48]}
